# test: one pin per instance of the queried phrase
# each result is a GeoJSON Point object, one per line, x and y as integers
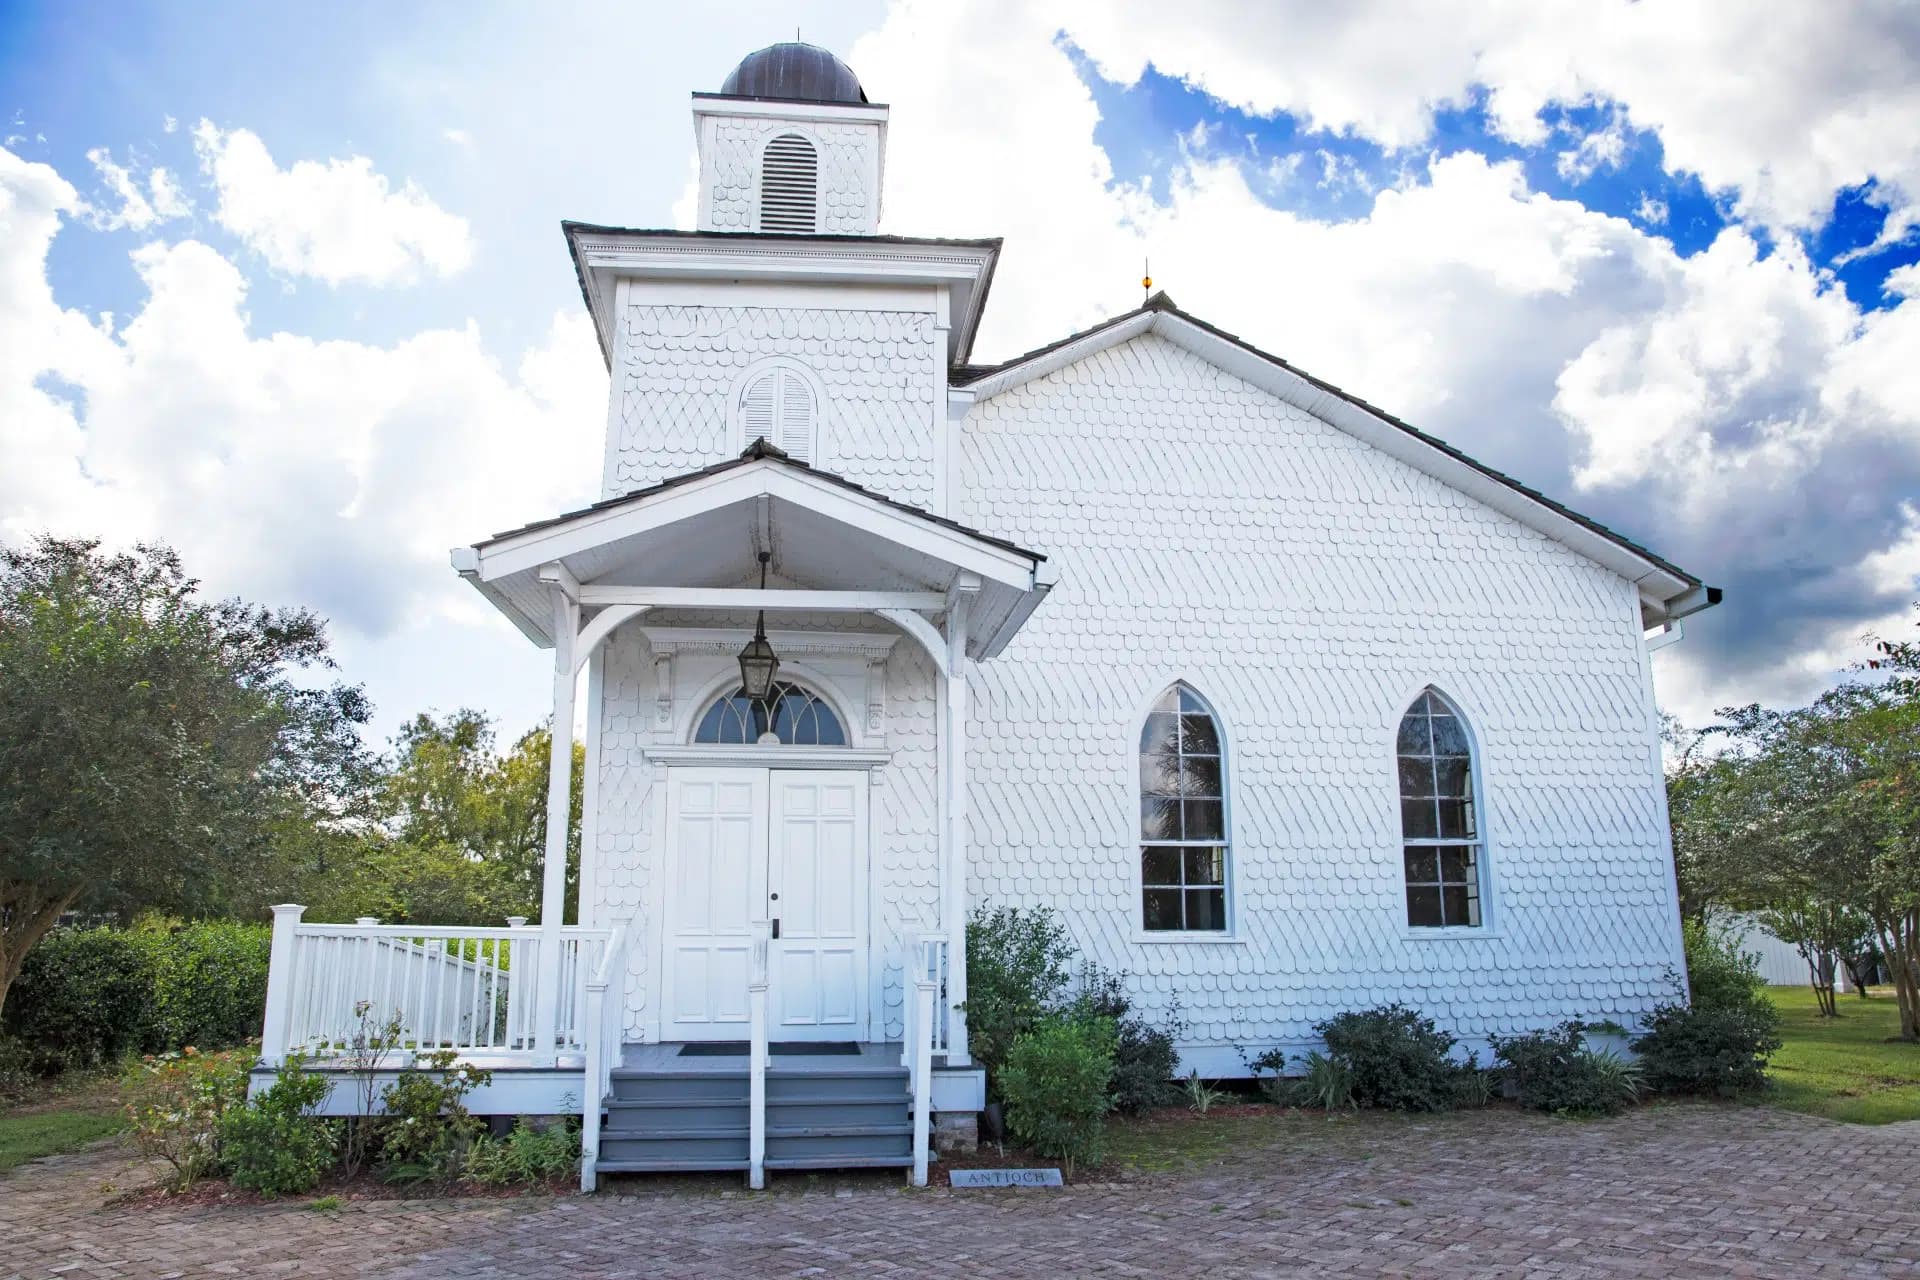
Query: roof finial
{"type": "Point", "coordinates": [1146, 280]}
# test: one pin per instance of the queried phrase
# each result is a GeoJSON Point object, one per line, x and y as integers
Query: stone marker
{"type": "Point", "coordinates": [1005, 1177]}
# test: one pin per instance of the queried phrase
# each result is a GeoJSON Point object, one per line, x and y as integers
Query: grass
{"type": "Point", "coordinates": [1851, 1068]}
{"type": "Point", "coordinates": [60, 1115]}
{"type": "Point", "coordinates": [34, 1134]}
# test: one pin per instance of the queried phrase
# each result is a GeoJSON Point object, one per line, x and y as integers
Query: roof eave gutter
{"type": "Point", "coordinates": [466, 563]}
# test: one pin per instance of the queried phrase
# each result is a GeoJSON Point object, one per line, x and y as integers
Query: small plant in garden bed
{"type": "Point", "coordinates": [1555, 1070]}
{"type": "Point", "coordinates": [1396, 1058]}
{"type": "Point", "coordinates": [425, 1133]}
{"type": "Point", "coordinates": [1055, 1083]}
{"type": "Point", "coordinates": [276, 1145]}
{"type": "Point", "coordinates": [175, 1105]}
{"type": "Point", "coordinates": [526, 1157]}
{"type": "Point", "coordinates": [1202, 1097]}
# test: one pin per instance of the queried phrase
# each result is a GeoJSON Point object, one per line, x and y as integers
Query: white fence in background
{"type": "Point", "coordinates": [476, 991]}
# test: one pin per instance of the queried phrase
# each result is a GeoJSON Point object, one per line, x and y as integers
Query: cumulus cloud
{"type": "Point", "coordinates": [338, 221]}
{"type": "Point", "coordinates": [1783, 103]}
{"type": "Point", "coordinates": [330, 474]}
{"type": "Point", "coordinates": [1733, 410]}
{"type": "Point", "coordinates": [139, 207]}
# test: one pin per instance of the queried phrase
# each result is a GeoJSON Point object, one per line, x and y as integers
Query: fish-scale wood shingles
{"type": "Point", "coordinates": [846, 203]}
{"type": "Point", "coordinates": [879, 370]}
{"type": "Point", "coordinates": [624, 860]}
{"type": "Point", "coordinates": [1309, 586]}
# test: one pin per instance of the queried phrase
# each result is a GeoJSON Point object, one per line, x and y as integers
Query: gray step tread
{"type": "Point", "coordinates": [632, 1073]}
{"type": "Point", "coordinates": [668, 1104]}
{"type": "Point", "coordinates": [838, 1130]}
{"type": "Point", "coordinates": [669, 1166]}
{"type": "Point", "coordinates": [664, 1135]}
{"type": "Point", "coordinates": [837, 1162]}
{"type": "Point", "coordinates": [837, 1099]}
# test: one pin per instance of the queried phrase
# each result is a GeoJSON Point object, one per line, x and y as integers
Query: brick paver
{"type": "Point", "coordinates": [1665, 1191]}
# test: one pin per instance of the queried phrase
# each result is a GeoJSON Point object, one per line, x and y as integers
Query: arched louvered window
{"type": "Point", "coordinates": [791, 715]}
{"type": "Point", "coordinates": [1183, 817]}
{"type": "Point", "coordinates": [778, 405]}
{"type": "Point", "coordinates": [789, 185]}
{"type": "Point", "coordinates": [1439, 818]}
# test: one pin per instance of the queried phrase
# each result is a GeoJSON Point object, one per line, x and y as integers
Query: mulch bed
{"type": "Point", "coordinates": [366, 1186]}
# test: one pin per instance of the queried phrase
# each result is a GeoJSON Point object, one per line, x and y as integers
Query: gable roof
{"type": "Point", "coordinates": [760, 450]}
{"type": "Point", "coordinates": [1668, 592]}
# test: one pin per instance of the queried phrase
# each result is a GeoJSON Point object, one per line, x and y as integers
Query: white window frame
{"type": "Point", "coordinates": [736, 413]}
{"type": "Point", "coordinates": [1489, 926]}
{"type": "Point", "coordinates": [1229, 775]}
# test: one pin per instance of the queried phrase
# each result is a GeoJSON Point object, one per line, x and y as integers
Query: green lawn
{"type": "Point", "coordinates": [33, 1134]}
{"type": "Point", "coordinates": [1846, 1068]}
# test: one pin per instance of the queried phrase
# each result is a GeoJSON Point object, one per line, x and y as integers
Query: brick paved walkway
{"type": "Point", "coordinates": [1678, 1190]}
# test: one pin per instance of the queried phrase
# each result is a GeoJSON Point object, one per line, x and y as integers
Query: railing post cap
{"type": "Point", "coordinates": [366, 920]}
{"type": "Point", "coordinates": [288, 910]}
{"type": "Point", "coordinates": [516, 922]}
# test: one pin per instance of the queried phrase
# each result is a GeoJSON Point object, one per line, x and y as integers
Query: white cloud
{"type": "Point", "coordinates": [329, 474]}
{"type": "Point", "coordinates": [1598, 149]}
{"type": "Point", "coordinates": [1733, 410]}
{"type": "Point", "coordinates": [1785, 102]}
{"type": "Point", "coordinates": [339, 221]}
{"type": "Point", "coordinates": [1651, 209]}
{"type": "Point", "coordinates": [139, 209]}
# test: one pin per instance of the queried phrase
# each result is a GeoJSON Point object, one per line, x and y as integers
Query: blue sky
{"type": "Point", "coordinates": [1660, 272]}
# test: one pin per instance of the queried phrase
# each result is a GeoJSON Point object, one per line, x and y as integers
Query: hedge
{"type": "Point", "coordinates": [88, 997]}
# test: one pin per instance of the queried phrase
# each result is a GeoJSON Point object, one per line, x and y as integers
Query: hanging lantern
{"type": "Point", "coordinates": [758, 662]}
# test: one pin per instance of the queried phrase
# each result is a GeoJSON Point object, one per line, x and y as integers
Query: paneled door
{"type": "Point", "coordinates": [817, 889]}
{"type": "Point", "coordinates": [716, 880]}
{"type": "Point", "coordinates": [785, 845]}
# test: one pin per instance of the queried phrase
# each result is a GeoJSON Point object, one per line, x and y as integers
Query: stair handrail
{"type": "Point", "coordinates": [926, 983]}
{"type": "Point", "coordinates": [757, 1059]}
{"type": "Point", "coordinates": [601, 1041]}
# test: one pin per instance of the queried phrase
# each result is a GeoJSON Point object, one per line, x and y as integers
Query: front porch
{"type": "Point", "coordinates": [709, 823]}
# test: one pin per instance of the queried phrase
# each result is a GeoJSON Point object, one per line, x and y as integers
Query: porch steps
{"type": "Point", "coordinates": [857, 1116]}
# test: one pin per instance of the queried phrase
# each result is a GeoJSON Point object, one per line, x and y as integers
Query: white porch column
{"type": "Point", "coordinates": [953, 908]}
{"type": "Point", "coordinates": [553, 879]}
{"type": "Point", "coordinates": [281, 992]}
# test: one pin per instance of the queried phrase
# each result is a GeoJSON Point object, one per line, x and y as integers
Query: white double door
{"type": "Point", "coordinates": [781, 845]}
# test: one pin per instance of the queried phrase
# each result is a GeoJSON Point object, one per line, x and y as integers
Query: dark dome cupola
{"type": "Point", "coordinates": [794, 72]}
{"type": "Point", "coordinates": [790, 146]}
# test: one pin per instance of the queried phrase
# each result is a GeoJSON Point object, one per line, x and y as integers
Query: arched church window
{"type": "Point", "coordinates": [1183, 817]}
{"type": "Point", "coordinates": [778, 405]}
{"type": "Point", "coordinates": [1439, 819]}
{"type": "Point", "coordinates": [789, 185]}
{"type": "Point", "coordinates": [791, 715]}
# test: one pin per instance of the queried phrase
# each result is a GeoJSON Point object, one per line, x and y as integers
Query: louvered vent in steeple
{"type": "Point", "coordinates": [790, 185]}
{"type": "Point", "coordinates": [777, 406]}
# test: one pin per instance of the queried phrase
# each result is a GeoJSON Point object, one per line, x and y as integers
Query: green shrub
{"type": "Point", "coordinates": [1721, 1052]}
{"type": "Point", "coordinates": [1554, 1070]}
{"type": "Point", "coordinates": [1327, 1082]}
{"type": "Point", "coordinates": [426, 1130]}
{"type": "Point", "coordinates": [1144, 1057]}
{"type": "Point", "coordinates": [526, 1156]}
{"type": "Point", "coordinates": [175, 1105]}
{"type": "Point", "coordinates": [84, 998]}
{"type": "Point", "coordinates": [275, 1145]}
{"type": "Point", "coordinates": [1720, 1043]}
{"type": "Point", "coordinates": [210, 983]}
{"type": "Point", "coordinates": [1056, 1085]}
{"type": "Point", "coordinates": [1016, 969]}
{"type": "Point", "coordinates": [1397, 1059]}
{"type": "Point", "coordinates": [89, 997]}
{"type": "Point", "coordinates": [1719, 974]}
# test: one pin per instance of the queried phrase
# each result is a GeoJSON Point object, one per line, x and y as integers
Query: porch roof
{"type": "Point", "coordinates": [705, 529]}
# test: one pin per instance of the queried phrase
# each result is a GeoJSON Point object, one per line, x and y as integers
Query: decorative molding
{"type": "Point", "coordinates": [663, 689]}
{"type": "Point", "coordinates": [876, 693]}
{"type": "Point", "coordinates": [667, 641]}
{"type": "Point", "coordinates": [783, 757]}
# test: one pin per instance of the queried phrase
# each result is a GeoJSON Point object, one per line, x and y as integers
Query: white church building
{"type": "Point", "coordinates": [1283, 706]}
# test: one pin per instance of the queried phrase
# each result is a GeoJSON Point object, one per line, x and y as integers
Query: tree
{"type": "Point", "coordinates": [459, 831]}
{"type": "Point", "coordinates": [152, 741]}
{"type": "Point", "coordinates": [1826, 932]}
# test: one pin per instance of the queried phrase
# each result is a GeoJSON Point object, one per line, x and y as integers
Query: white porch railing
{"type": "Point", "coordinates": [757, 1057]}
{"type": "Point", "coordinates": [924, 1015]}
{"type": "Point", "coordinates": [471, 990]}
{"type": "Point", "coordinates": [603, 1040]}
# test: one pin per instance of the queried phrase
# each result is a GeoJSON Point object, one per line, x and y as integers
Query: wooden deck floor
{"type": "Point", "coordinates": [666, 1059]}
